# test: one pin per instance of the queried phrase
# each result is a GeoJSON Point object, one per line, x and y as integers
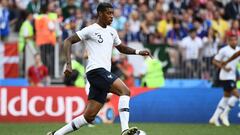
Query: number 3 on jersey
{"type": "Point", "coordinates": [100, 39]}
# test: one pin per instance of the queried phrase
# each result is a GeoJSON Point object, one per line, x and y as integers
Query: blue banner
{"type": "Point", "coordinates": [186, 105]}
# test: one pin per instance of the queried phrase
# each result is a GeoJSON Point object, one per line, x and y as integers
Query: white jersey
{"type": "Point", "coordinates": [191, 46]}
{"type": "Point", "coordinates": [223, 55]}
{"type": "Point", "coordinates": [99, 42]}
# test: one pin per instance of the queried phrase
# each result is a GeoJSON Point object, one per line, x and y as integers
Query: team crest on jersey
{"type": "Point", "coordinates": [110, 76]}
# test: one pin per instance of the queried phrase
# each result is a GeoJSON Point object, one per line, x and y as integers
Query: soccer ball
{"type": "Point", "coordinates": [140, 132]}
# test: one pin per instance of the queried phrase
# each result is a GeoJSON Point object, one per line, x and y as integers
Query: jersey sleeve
{"type": "Point", "coordinates": [116, 41]}
{"type": "Point", "coordinates": [220, 55]}
{"type": "Point", "coordinates": [84, 33]}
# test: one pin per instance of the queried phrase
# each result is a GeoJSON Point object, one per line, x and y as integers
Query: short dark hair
{"type": "Point", "coordinates": [25, 14]}
{"type": "Point", "coordinates": [103, 6]}
{"type": "Point", "coordinates": [193, 29]}
{"type": "Point", "coordinates": [176, 21]}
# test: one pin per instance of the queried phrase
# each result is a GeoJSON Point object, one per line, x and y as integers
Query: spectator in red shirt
{"type": "Point", "coordinates": [38, 73]}
{"type": "Point", "coordinates": [127, 70]}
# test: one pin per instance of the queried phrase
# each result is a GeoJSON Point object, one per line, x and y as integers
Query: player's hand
{"type": "Point", "coordinates": [228, 69]}
{"type": "Point", "coordinates": [68, 70]}
{"type": "Point", "coordinates": [145, 53]}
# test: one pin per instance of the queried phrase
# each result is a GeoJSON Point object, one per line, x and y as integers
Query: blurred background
{"type": "Point", "coordinates": [180, 81]}
{"type": "Point", "coordinates": [39, 27]}
{"type": "Point", "coordinates": [159, 25]}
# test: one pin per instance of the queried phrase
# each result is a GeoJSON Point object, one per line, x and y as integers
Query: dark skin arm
{"type": "Point", "coordinates": [219, 65]}
{"type": "Point", "coordinates": [127, 50]}
{"type": "Point", "coordinates": [74, 39]}
{"type": "Point", "coordinates": [67, 52]}
{"type": "Point", "coordinates": [234, 56]}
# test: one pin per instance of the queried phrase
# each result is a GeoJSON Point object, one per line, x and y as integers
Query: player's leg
{"type": "Point", "coordinates": [222, 104]}
{"type": "Point", "coordinates": [230, 104]}
{"type": "Point", "coordinates": [96, 99]}
{"type": "Point", "coordinates": [91, 111]}
{"type": "Point", "coordinates": [120, 89]}
{"type": "Point", "coordinates": [232, 100]}
{"type": "Point", "coordinates": [87, 89]}
{"type": "Point", "coordinates": [220, 108]}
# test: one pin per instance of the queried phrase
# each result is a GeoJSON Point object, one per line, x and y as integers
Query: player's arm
{"type": "Point", "coordinates": [127, 50]}
{"type": "Point", "coordinates": [218, 59]}
{"type": "Point", "coordinates": [217, 63]}
{"type": "Point", "coordinates": [220, 65]}
{"type": "Point", "coordinates": [234, 56]}
{"type": "Point", "coordinates": [67, 51]}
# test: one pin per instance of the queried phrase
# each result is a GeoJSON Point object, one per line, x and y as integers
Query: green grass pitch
{"type": "Point", "coordinates": [113, 129]}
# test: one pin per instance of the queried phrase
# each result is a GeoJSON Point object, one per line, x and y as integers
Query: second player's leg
{"type": "Point", "coordinates": [220, 108]}
{"type": "Point", "coordinates": [233, 98]}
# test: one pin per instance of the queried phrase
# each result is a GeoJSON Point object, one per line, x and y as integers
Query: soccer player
{"type": "Point", "coordinates": [99, 39]}
{"type": "Point", "coordinates": [227, 79]}
{"type": "Point", "coordinates": [234, 56]}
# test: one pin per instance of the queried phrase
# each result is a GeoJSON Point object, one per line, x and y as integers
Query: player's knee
{"type": "Point", "coordinates": [126, 92]}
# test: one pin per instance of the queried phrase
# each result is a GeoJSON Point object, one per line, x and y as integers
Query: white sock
{"type": "Point", "coordinates": [123, 107]}
{"type": "Point", "coordinates": [231, 103]}
{"type": "Point", "coordinates": [220, 108]}
{"type": "Point", "coordinates": [71, 126]}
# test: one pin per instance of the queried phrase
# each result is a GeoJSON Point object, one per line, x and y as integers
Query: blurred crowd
{"type": "Point", "coordinates": [193, 30]}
